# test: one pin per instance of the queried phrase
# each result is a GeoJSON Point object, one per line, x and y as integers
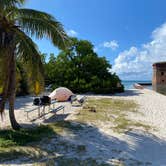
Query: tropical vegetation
{"type": "Point", "coordinates": [17, 26]}
{"type": "Point", "coordinates": [80, 69]}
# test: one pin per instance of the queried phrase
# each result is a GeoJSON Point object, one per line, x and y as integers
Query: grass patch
{"type": "Point", "coordinates": [19, 143]}
{"type": "Point", "coordinates": [123, 124]}
{"type": "Point", "coordinates": [60, 126]}
{"type": "Point", "coordinates": [111, 110]}
{"type": "Point", "coordinates": [21, 151]}
{"type": "Point", "coordinates": [62, 161]}
{"type": "Point", "coordinates": [22, 137]}
{"type": "Point", "coordinates": [26, 142]}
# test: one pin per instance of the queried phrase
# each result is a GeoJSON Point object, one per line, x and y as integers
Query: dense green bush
{"type": "Point", "coordinates": [80, 69]}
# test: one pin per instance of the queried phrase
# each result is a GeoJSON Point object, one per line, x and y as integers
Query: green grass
{"type": "Point", "coordinates": [29, 142]}
{"type": "Point", "coordinates": [10, 138]}
{"type": "Point", "coordinates": [60, 126]}
{"type": "Point", "coordinates": [26, 142]}
{"type": "Point", "coordinates": [22, 137]}
{"type": "Point", "coordinates": [19, 143]}
{"type": "Point", "coordinates": [111, 110]}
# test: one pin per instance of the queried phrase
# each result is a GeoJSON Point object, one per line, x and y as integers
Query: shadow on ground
{"type": "Point", "coordinates": [80, 144]}
{"type": "Point", "coordinates": [56, 117]}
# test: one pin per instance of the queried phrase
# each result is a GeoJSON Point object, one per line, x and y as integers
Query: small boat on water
{"type": "Point", "coordinates": [138, 86]}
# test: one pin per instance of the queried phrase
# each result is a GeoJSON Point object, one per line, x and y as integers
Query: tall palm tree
{"type": "Point", "coordinates": [16, 25]}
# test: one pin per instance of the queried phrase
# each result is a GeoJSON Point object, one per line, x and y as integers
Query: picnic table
{"type": "Point", "coordinates": [41, 109]}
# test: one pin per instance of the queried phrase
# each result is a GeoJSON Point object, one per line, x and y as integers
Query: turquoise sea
{"type": "Point", "coordinates": [129, 84]}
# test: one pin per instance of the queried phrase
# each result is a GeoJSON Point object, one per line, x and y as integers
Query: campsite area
{"type": "Point", "coordinates": [107, 130]}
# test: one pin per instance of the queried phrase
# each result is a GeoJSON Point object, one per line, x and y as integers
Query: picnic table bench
{"type": "Point", "coordinates": [53, 102]}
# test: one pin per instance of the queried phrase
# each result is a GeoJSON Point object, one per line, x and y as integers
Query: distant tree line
{"type": "Point", "coordinates": [80, 69]}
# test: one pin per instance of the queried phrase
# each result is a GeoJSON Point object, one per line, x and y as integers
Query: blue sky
{"type": "Point", "coordinates": [127, 32]}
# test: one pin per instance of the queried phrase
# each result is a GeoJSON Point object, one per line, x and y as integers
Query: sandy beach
{"type": "Point", "coordinates": [135, 147]}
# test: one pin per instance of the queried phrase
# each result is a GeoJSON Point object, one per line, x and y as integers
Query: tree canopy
{"type": "Point", "coordinates": [80, 69]}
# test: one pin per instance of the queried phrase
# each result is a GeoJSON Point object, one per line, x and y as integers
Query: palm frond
{"type": "Point", "coordinates": [10, 3]}
{"type": "Point", "coordinates": [27, 53]}
{"type": "Point", "coordinates": [31, 13]}
{"type": "Point", "coordinates": [26, 49]}
{"type": "Point", "coordinates": [8, 8]}
{"type": "Point", "coordinates": [40, 25]}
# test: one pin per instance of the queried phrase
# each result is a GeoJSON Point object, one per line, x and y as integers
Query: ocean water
{"type": "Point", "coordinates": [129, 84]}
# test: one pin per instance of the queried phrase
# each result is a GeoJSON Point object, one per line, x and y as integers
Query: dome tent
{"type": "Point", "coordinates": [61, 94]}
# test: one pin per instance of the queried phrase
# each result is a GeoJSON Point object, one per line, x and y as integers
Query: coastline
{"type": "Point", "coordinates": [128, 84]}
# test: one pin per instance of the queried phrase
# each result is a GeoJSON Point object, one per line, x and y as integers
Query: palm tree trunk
{"type": "Point", "coordinates": [11, 94]}
{"type": "Point", "coordinates": [5, 78]}
{"type": "Point", "coordinates": [4, 95]}
{"type": "Point", "coordinates": [9, 88]}
{"type": "Point", "coordinates": [13, 121]}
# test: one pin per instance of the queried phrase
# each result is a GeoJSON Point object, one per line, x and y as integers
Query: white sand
{"type": "Point", "coordinates": [153, 107]}
{"type": "Point", "coordinates": [135, 147]}
{"type": "Point", "coordinates": [26, 103]}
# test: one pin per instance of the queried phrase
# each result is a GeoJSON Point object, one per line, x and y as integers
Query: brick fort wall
{"type": "Point", "coordinates": [159, 77]}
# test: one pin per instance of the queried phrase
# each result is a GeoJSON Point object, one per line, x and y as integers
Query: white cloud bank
{"type": "Point", "coordinates": [111, 44]}
{"type": "Point", "coordinates": [72, 33]}
{"type": "Point", "coordinates": [137, 63]}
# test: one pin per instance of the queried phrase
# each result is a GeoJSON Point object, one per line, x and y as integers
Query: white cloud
{"type": "Point", "coordinates": [137, 63]}
{"type": "Point", "coordinates": [95, 49]}
{"type": "Point", "coordinates": [72, 33]}
{"type": "Point", "coordinates": [111, 44]}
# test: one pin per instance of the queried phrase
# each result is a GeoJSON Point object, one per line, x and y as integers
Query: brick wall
{"type": "Point", "coordinates": [159, 77]}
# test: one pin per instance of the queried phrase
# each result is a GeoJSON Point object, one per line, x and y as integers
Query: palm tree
{"type": "Point", "coordinates": [16, 25]}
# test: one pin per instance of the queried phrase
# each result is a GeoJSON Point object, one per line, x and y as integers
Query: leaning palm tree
{"type": "Point", "coordinates": [17, 25]}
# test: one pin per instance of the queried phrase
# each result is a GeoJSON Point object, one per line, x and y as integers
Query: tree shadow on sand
{"type": "Point", "coordinates": [56, 117]}
{"type": "Point", "coordinates": [81, 144]}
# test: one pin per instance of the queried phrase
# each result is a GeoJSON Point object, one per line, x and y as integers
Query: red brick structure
{"type": "Point", "coordinates": [159, 77]}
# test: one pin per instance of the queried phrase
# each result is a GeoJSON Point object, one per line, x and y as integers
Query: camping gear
{"type": "Point", "coordinates": [36, 101]}
{"type": "Point", "coordinates": [78, 99]}
{"type": "Point", "coordinates": [61, 94]}
{"type": "Point", "coordinates": [45, 100]}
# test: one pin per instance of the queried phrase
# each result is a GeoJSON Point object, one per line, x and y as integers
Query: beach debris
{"type": "Point", "coordinates": [90, 109]}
